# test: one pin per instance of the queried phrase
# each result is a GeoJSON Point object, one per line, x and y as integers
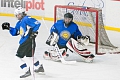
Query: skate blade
{"type": "Point", "coordinates": [41, 73]}
{"type": "Point", "coordinates": [57, 60]}
{"type": "Point", "coordinates": [88, 60]}
{"type": "Point", "coordinates": [28, 78]}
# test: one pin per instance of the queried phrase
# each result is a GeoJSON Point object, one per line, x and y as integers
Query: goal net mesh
{"type": "Point", "coordinates": [90, 23]}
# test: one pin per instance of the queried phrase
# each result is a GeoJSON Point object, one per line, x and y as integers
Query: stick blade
{"type": "Point", "coordinates": [67, 62]}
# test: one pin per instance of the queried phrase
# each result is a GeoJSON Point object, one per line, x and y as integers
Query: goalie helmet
{"type": "Point", "coordinates": [19, 10]}
{"type": "Point", "coordinates": [68, 15]}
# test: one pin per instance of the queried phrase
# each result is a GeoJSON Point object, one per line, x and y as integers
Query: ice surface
{"type": "Point", "coordinates": [104, 67]}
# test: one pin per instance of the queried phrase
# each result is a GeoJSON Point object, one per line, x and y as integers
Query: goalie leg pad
{"type": "Point", "coordinates": [53, 55]}
{"type": "Point", "coordinates": [86, 55]}
{"type": "Point", "coordinates": [74, 46]}
{"type": "Point", "coordinates": [64, 52]}
{"type": "Point", "coordinates": [46, 55]}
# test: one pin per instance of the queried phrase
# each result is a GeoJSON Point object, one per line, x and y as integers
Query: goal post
{"type": "Point", "coordinates": [90, 23]}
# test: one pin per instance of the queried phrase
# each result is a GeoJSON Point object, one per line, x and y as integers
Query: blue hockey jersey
{"type": "Point", "coordinates": [65, 33]}
{"type": "Point", "coordinates": [23, 26]}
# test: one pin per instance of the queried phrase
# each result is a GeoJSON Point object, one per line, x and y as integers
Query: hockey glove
{"type": "Point", "coordinates": [6, 26]}
{"type": "Point", "coordinates": [84, 40]}
{"type": "Point", "coordinates": [33, 35]}
{"type": "Point", "coordinates": [52, 39]}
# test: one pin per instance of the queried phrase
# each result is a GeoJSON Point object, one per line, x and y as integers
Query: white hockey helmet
{"type": "Point", "coordinates": [19, 10]}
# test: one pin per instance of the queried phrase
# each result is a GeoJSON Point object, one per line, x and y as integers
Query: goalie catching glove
{"type": "Point", "coordinates": [6, 26]}
{"type": "Point", "coordinates": [84, 40]}
{"type": "Point", "coordinates": [33, 35]}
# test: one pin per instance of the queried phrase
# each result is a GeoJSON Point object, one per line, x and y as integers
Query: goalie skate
{"type": "Point", "coordinates": [77, 48]}
{"type": "Point", "coordinates": [87, 58]}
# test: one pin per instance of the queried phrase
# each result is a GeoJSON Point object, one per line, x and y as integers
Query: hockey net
{"type": "Point", "coordinates": [90, 23]}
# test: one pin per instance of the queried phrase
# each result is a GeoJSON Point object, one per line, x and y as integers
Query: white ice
{"type": "Point", "coordinates": [104, 67]}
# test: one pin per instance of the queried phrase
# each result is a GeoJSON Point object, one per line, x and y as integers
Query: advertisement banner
{"type": "Point", "coordinates": [32, 7]}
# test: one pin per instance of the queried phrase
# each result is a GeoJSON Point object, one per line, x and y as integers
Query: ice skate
{"type": "Point", "coordinates": [40, 69]}
{"type": "Point", "coordinates": [88, 58]}
{"type": "Point", "coordinates": [27, 74]}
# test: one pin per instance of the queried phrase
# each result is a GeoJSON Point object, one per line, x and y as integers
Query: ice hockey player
{"type": "Point", "coordinates": [62, 33]}
{"type": "Point", "coordinates": [27, 28]}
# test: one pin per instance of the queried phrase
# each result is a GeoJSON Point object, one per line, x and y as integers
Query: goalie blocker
{"type": "Point", "coordinates": [52, 54]}
{"type": "Point", "coordinates": [73, 45]}
{"type": "Point", "coordinates": [52, 39]}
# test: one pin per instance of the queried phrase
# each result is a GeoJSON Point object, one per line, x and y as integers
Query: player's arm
{"type": "Point", "coordinates": [77, 33]}
{"type": "Point", "coordinates": [13, 31]}
{"type": "Point", "coordinates": [53, 29]}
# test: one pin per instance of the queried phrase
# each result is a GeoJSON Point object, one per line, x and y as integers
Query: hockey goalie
{"type": "Point", "coordinates": [75, 46]}
{"type": "Point", "coordinates": [64, 35]}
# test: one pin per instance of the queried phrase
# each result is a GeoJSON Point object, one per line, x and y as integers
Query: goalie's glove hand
{"type": "Point", "coordinates": [33, 35]}
{"type": "Point", "coordinates": [84, 40]}
{"type": "Point", "coordinates": [6, 26]}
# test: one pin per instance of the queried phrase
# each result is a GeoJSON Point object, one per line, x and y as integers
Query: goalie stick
{"type": "Point", "coordinates": [61, 58]}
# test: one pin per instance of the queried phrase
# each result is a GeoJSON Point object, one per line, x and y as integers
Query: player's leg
{"type": "Point", "coordinates": [23, 66]}
{"type": "Point", "coordinates": [36, 65]}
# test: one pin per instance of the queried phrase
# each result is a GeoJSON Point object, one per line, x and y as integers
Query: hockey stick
{"type": "Point", "coordinates": [61, 58]}
{"type": "Point", "coordinates": [33, 58]}
{"type": "Point", "coordinates": [58, 51]}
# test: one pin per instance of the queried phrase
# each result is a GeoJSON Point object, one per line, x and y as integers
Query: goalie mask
{"type": "Point", "coordinates": [52, 39]}
{"type": "Point", "coordinates": [68, 17]}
